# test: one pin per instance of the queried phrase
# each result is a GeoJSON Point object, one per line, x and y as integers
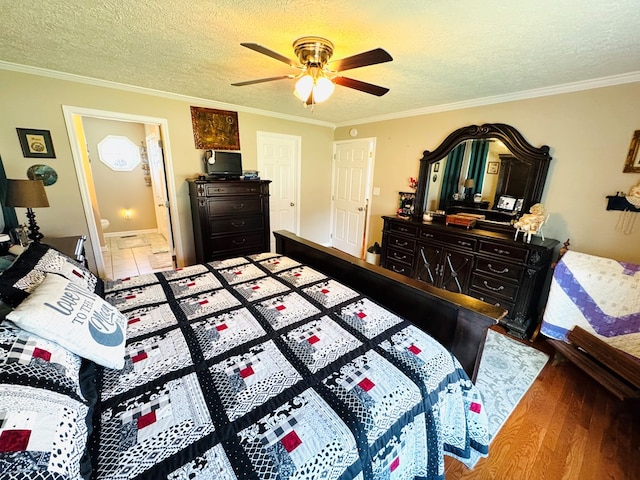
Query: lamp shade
{"type": "Point", "coordinates": [469, 183]}
{"type": "Point", "coordinates": [26, 193]}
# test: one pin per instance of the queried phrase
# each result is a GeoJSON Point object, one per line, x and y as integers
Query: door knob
{"type": "Point", "coordinates": [360, 209]}
{"type": "Point", "coordinates": [292, 204]}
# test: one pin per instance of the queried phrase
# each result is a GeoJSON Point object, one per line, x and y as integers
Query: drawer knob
{"type": "Point", "coordinates": [403, 244]}
{"type": "Point", "coordinates": [397, 270]}
{"type": "Point", "coordinates": [402, 229]}
{"type": "Point", "coordinates": [464, 244]}
{"type": "Point", "coordinates": [504, 270]}
{"type": "Point", "coordinates": [501, 252]}
{"type": "Point", "coordinates": [238, 224]}
{"type": "Point", "coordinates": [495, 289]}
{"type": "Point", "coordinates": [238, 242]}
{"type": "Point", "coordinates": [237, 206]}
{"type": "Point", "coordinates": [399, 257]}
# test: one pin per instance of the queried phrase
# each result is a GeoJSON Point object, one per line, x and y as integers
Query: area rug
{"type": "Point", "coordinates": [132, 242]}
{"type": "Point", "coordinates": [160, 260]}
{"type": "Point", "coordinates": [507, 370]}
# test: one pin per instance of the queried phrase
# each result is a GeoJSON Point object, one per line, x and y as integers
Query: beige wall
{"type": "Point", "coordinates": [588, 132]}
{"type": "Point", "coordinates": [117, 191]}
{"type": "Point", "coordinates": [32, 101]}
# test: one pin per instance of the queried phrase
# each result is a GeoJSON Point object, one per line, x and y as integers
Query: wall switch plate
{"type": "Point", "coordinates": [376, 191]}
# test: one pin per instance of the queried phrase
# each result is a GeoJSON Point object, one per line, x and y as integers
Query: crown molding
{"type": "Point", "coordinates": [43, 72]}
{"type": "Point", "coordinates": [631, 77]}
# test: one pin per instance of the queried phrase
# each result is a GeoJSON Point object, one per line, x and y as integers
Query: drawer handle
{"type": "Point", "coordinates": [501, 252]}
{"type": "Point", "coordinates": [237, 206]}
{"type": "Point", "coordinates": [238, 242]}
{"type": "Point", "coordinates": [402, 229]}
{"type": "Point", "coordinates": [495, 289]}
{"type": "Point", "coordinates": [504, 270]}
{"type": "Point", "coordinates": [428, 235]}
{"type": "Point", "coordinates": [404, 244]}
{"type": "Point", "coordinates": [397, 270]}
{"type": "Point", "coordinates": [398, 257]}
{"type": "Point", "coordinates": [238, 224]}
{"type": "Point", "coordinates": [464, 244]}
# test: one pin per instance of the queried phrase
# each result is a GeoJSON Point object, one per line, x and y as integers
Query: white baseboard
{"type": "Point", "coordinates": [130, 233]}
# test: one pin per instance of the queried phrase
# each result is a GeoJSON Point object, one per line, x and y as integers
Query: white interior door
{"type": "Point", "coordinates": [159, 185]}
{"type": "Point", "coordinates": [352, 170]}
{"type": "Point", "coordinates": [279, 161]}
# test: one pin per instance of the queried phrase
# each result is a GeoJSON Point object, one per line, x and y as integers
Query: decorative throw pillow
{"type": "Point", "coordinates": [78, 320]}
{"type": "Point", "coordinates": [30, 268]}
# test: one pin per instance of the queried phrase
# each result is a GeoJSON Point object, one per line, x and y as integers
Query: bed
{"type": "Point", "coordinates": [304, 363]}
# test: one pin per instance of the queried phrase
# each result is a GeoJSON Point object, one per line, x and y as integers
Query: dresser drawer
{"type": "Point", "coordinates": [232, 189]}
{"type": "Point", "coordinates": [400, 256]}
{"type": "Point", "coordinates": [485, 297]}
{"type": "Point", "coordinates": [507, 251]}
{"type": "Point", "coordinates": [500, 268]}
{"type": "Point", "coordinates": [458, 241]}
{"type": "Point", "coordinates": [235, 224]}
{"type": "Point", "coordinates": [234, 206]}
{"type": "Point", "coordinates": [240, 241]}
{"type": "Point", "coordinates": [398, 267]}
{"type": "Point", "coordinates": [494, 287]}
{"type": "Point", "coordinates": [407, 229]}
{"type": "Point", "coordinates": [401, 242]}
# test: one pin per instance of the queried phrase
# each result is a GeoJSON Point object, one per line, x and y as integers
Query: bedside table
{"type": "Point", "coordinates": [71, 246]}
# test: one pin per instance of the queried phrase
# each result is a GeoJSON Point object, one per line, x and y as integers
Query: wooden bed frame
{"type": "Point", "coordinates": [457, 321]}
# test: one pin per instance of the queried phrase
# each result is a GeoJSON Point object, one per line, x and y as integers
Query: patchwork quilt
{"type": "Point", "coordinates": [260, 367]}
{"type": "Point", "coordinates": [600, 295]}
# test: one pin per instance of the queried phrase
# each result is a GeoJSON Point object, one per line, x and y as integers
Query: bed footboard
{"type": "Point", "coordinates": [457, 321]}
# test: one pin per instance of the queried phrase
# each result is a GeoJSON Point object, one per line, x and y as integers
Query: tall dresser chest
{"type": "Point", "coordinates": [230, 217]}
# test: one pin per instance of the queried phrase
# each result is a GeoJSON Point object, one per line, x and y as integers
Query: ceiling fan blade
{"type": "Point", "coordinates": [265, 51]}
{"type": "Point", "coordinates": [362, 86]}
{"type": "Point", "coordinates": [262, 80]}
{"type": "Point", "coordinates": [363, 59]}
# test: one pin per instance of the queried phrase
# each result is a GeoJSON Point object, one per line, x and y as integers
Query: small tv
{"type": "Point", "coordinates": [223, 165]}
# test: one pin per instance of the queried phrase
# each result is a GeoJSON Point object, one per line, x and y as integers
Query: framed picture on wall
{"type": "Point", "coordinates": [215, 129]}
{"type": "Point", "coordinates": [632, 165]}
{"type": "Point", "coordinates": [36, 143]}
{"type": "Point", "coordinates": [493, 168]}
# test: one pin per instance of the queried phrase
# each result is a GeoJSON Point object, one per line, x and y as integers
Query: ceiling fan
{"type": "Point", "coordinates": [318, 75]}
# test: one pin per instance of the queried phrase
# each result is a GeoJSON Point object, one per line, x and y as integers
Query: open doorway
{"type": "Point", "coordinates": [125, 204]}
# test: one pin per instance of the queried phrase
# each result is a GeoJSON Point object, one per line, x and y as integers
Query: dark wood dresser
{"type": "Point", "coordinates": [230, 217]}
{"type": "Point", "coordinates": [487, 265]}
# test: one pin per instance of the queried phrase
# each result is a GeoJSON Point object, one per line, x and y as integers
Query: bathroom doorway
{"type": "Point", "coordinates": [136, 201]}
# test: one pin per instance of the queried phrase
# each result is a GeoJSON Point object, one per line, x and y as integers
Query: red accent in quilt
{"type": "Point", "coordinates": [77, 273]}
{"type": "Point", "coordinates": [139, 357]}
{"type": "Point", "coordinates": [361, 314]}
{"type": "Point", "coordinates": [291, 441]}
{"type": "Point", "coordinates": [413, 349]}
{"type": "Point", "coordinates": [366, 384]}
{"type": "Point", "coordinates": [255, 287]}
{"type": "Point", "coordinates": [222, 326]}
{"type": "Point", "coordinates": [324, 290]}
{"type": "Point", "coordinates": [313, 339]}
{"type": "Point", "coordinates": [395, 464]}
{"type": "Point", "coordinates": [297, 274]}
{"type": "Point", "coordinates": [280, 308]}
{"type": "Point", "coordinates": [146, 420]}
{"type": "Point", "coordinates": [475, 407]}
{"type": "Point", "coordinates": [246, 372]}
{"type": "Point", "coordinates": [203, 302]}
{"type": "Point", "coordinates": [134, 320]}
{"type": "Point", "coordinates": [129, 297]}
{"type": "Point", "coordinates": [191, 284]}
{"type": "Point", "coordinates": [14, 440]}
{"type": "Point", "coordinates": [43, 354]}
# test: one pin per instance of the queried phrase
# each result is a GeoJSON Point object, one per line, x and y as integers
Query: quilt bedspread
{"type": "Point", "coordinates": [600, 295]}
{"type": "Point", "coordinates": [260, 367]}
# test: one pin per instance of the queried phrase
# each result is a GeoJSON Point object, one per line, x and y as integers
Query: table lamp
{"type": "Point", "coordinates": [469, 183]}
{"type": "Point", "coordinates": [28, 194]}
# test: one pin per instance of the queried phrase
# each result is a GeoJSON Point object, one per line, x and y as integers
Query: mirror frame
{"type": "Point", "coordinates": [512, 139]}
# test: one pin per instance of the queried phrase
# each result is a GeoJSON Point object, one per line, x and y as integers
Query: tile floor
{"type": "Point", "coordinates": [131, 255]}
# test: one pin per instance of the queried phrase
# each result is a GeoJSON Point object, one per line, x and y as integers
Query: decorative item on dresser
{"type": "Point", "coordinates": [229, 217]}
{"type": "Point", "coordinates": [484, 262]}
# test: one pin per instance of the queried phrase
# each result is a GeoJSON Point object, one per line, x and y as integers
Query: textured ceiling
{"type": "Point", "coordinates": [444, 51]}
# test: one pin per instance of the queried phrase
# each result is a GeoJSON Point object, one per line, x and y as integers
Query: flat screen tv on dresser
{"type": "Point", "coordinates": [230, 217]}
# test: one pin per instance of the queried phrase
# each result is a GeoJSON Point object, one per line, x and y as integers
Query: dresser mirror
{"type": "Point", "coordinates": [490, 168]}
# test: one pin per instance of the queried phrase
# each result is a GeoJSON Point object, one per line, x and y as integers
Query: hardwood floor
{"type": "Point", "coordinates": [566, 427]}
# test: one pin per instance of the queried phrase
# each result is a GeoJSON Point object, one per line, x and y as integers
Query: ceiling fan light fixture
{"type": "Point", "coordinates": [320, 87]}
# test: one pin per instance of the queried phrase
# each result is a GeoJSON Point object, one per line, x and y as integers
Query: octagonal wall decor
{"type": "Point", "coordinates": [119, 153]}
